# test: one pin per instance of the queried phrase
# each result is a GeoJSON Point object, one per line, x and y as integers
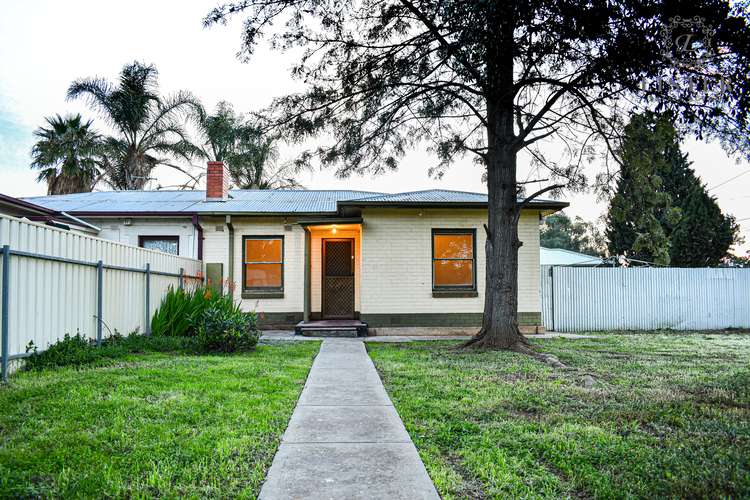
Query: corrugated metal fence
{"type": "Point", "coordinates": [56, 282]}
{"type": "Point", "coordinates": [584, 298]}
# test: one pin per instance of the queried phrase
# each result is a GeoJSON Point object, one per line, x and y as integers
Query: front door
{"type": "Point", "coordinates": [338, 278]}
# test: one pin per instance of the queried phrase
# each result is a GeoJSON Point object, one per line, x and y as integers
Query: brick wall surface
{"type": "Point", "coordinates": [393, 260]}
{"type": "Point", "coordinates": [397, 263]}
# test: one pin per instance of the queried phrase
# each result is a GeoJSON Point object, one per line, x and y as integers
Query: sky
{"type": "Point", "coordinates": [46, 44]}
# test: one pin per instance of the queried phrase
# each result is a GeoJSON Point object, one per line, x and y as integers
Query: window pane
{"type": "Point", "coordinates": [262, 275]}
{"type": "Point", "coordinates": [453, 272]}
{"type": "Point", "coordinates": [168, 246]}
{"type": "Point", "coordinates": [453, 246]}
{"type": "Point", "coordinates": [263, 250]}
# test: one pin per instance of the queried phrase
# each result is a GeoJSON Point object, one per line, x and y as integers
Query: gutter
{"type": "Point", "coordinates": [230, 262]}
{"type": "Point", "coordinates": [82, 222]}
{"type": "Point", "coordinates": [33, 207]}
{"type": "Point", "coordinates": [443, 204]}
{"type": "Point", "coordinates": [199, 229]}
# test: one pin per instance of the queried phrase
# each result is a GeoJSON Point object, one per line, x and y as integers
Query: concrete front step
{"type": "Point", "coordinates": [329, 332]}
{"type": "Point", "coordinates": [332, 328]}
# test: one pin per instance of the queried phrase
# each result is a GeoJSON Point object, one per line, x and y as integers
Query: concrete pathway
{"type": "Point", "coordinates": [345, 439]}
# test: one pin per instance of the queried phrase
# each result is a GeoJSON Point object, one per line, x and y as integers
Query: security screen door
{"type": "Point", "coordinates": [338, 278]}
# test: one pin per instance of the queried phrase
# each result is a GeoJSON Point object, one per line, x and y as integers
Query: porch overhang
{"type": "Point", "coordinates": [311, 225]}
{"type": "Point", "coordinates": [329, 220]}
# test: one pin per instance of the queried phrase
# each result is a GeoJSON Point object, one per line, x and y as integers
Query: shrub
{"type": "Point", "coordinates": [223, 327]}
{"type": "Point", "coordinates": [180, 310]}
{"type": "Point", "coordinates": [78, 350]}
{"type": "Point", "coordinates": [70, 351]}
{"type": "Point", "coordinates": [218, 323]}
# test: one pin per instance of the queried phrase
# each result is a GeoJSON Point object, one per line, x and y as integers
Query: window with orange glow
{"type": "Point", "coordinates": [263, 260]}
{"type": "Point", "coordinates": [453, 260]}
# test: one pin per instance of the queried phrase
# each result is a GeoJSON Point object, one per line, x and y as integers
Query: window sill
{"type": "Point", "coordinates": [263, 295]}
{"type": "Point", "coordinates": [445, 294]}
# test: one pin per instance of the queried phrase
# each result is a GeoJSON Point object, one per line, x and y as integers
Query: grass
{"type": "Point", "coordinates": [668, 416]}
{"type": "Point", "coordinates": [151, 424]}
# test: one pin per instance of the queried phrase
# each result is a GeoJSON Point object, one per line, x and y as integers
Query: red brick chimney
{"type": "Point", "coordinates": [217, 182]}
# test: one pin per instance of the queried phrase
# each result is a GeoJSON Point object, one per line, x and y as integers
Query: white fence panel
{"type": "Point", "coordinates": [581, 299]}
{"type": "Point", "coordinates": [48, 298]}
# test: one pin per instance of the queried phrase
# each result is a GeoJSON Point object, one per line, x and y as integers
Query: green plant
{"type": "Point", "coordinates": [224, 327]}
{"type": "Point", "coordinates": [219, 323]}
{"type": "Point", "coordinates": [69, 154]}
{"type": "Point", "coordinates": [151, 426]}
{"type": "Point", "coordinates": [70, 351]}
{"type": "Point", "coordinates": [149, 128]}
{"type": "Point", "coordinates": [78, 350]}
{"type": "Point", "coordinates": [178, 310]}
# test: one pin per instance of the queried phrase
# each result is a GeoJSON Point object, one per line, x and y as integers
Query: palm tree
{"type": "Point", "coordinates": [149, 128]}
{"type": "Point", "coordinates": [68, 153]}
{"type": "Point", "coordinates": [250, 155]}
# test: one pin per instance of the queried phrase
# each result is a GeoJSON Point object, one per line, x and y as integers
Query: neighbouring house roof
{"type": "Point", "coordinates": [257, 202]}
{"type": "Point", "coordinates": [561, 257]}
{"type": "Point", "coordinates": [21, 208]}
{"type": "Point", "coordinates": [17, 207]}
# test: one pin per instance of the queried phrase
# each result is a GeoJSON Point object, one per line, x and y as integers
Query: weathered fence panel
{"type": "Point", "coordinates": [581, 299]}
{"type": "Point", "coordinates": [53, 278]}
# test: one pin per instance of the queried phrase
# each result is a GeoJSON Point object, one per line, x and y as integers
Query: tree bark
{"type": "Point", "coordinates": [500, 319]}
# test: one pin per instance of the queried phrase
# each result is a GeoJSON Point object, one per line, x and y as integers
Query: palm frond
{"type": "Point", "coordinates": [68, 153]}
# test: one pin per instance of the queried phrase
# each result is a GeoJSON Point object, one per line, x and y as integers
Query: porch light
{"type": "Point", "coordinates": [333, 231]}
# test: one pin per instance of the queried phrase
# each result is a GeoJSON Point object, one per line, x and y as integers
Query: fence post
{"type": "Point", "coordinates": [99, 301]}
{"type": "Point", "coordinates": [552, 294]}
{"type": "Point", "coordinates": [6, 312]}
{"type": "Point", "coordinates": [148, 299]}
{"type": "Point", "coordinates": [182, 278]}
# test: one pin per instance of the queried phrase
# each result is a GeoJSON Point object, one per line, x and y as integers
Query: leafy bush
{"type": "Point", "coordinates": [214, 318]}
{"type": "Point", "coordinates": [180, 309]}
{"type": "Point", "coordinates": [223, 327]}
{"type": "Point", "coordinates": [78, 350]}
{"type": "Point", "coordinates": [70, 351]}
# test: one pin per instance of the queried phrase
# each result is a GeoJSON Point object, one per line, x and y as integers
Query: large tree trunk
{"type": "Point", "coordinates": [500, 320]}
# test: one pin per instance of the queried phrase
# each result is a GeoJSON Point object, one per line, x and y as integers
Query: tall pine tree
{"type": "Point", "coordinates": [639, 207]}
{"type": "Point", "coordinates": [661, 212]}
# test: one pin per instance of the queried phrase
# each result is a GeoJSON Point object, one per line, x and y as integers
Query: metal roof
{"type": "Point", "coordinates": [440, 197]}
{"type": "Point", "coordinates": [189, 202]}
{"type": "Point", "coordinates": [249, 201]}
{"type": "Point", "coordinates": [18, 207]}
{"type": "Point", "coordinates": [428, 196]}
{"type": "Point", "coordinates": [562, 257]}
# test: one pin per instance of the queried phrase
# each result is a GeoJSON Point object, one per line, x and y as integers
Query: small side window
{"type": "Point", "coordinates": [166, 244]}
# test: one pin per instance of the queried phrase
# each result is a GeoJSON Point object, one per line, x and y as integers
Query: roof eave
{"type": "Point", "coordinates": [553, 205]}
{"type": "Point", "coordinates": [32, 207]}
{"type": "Point", "coordinates": [121, 214]}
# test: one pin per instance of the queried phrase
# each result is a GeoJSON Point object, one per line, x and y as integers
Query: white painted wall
{"type": "Point", "coordinates": [115, 229]}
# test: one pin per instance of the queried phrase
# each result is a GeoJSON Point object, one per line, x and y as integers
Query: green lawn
{"type": "Point", "coordinates": [668, 416]}
{"type": "Point", "coordinates": [150, 425]}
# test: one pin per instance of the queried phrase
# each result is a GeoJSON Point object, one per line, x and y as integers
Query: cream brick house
{"type": "Point", "coordinates": [299, 256]}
